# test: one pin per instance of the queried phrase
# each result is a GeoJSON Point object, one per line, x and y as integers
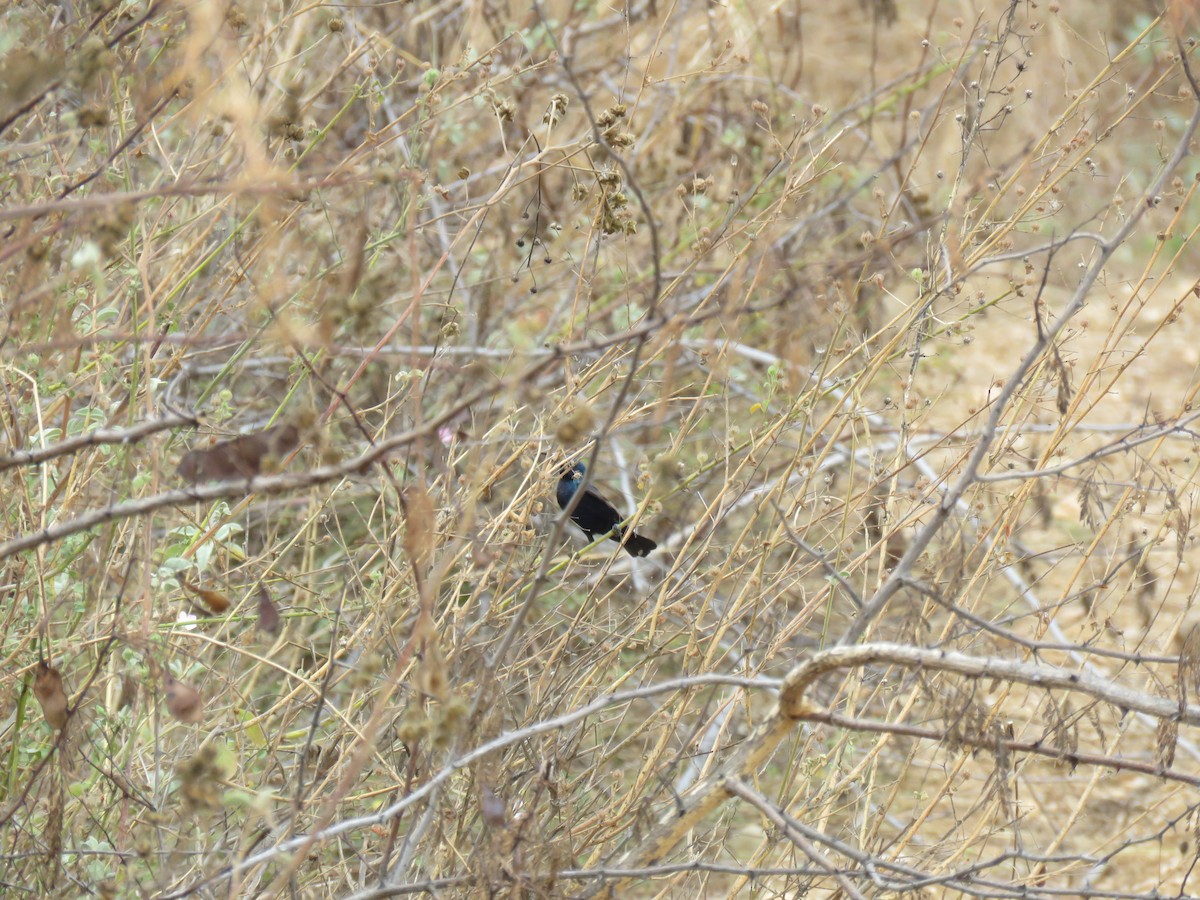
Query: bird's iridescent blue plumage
{"type": "Point", "coordinates": [596, 516]}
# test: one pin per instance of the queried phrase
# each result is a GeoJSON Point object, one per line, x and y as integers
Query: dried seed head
{"type": "Point", "coordinates": [558, 106]}
{"type": "Point", "coordinates": [505, 109]}
{"type": "Point", "coordinates": [577, 425]}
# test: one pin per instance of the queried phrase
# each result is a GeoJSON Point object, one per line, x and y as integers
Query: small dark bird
{"type": "Point", "coordinates": [595, 515]}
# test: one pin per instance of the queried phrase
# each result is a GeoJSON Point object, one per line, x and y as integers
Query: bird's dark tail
{"type": "Point", "coordinates": [636, 545]}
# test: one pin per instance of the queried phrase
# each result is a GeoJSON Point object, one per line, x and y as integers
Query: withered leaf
{"type": "Point", "coordinates": [128, 693]}
{"type": "Point", "coordinates": [268, 613]}
{"type": "Point", "coordinates": [242, 457]}
{"type": "Point", "coordinates": [49, 691]}
{"type": "Point", "coordinates": [214, 600]}
{"type": "Point", "coordinates": [183, 702]}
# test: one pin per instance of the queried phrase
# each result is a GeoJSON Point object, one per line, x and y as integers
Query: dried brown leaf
{"type": "Point", "coordinates": [269, 619]}
{"type": "Point", "coordinates": [214, 600]}
{"type": "Point", "coordinates": [49, 691]}
{"type": "Point", "coordinates": [128, 692]}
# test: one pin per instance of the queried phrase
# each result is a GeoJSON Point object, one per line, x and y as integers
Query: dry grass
{"type": "Point", "coordinates": [882, 320]}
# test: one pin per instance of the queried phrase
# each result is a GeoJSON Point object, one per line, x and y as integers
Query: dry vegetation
{"type": "Point", "coordinates": [882, 319]}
